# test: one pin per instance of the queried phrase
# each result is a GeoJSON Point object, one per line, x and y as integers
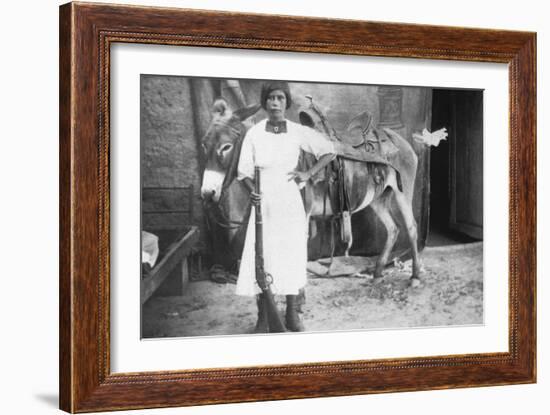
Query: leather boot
{"type": "Point", "coordinates": [293, 321]}
{"type": "Point", "coordinates": [262, 325]}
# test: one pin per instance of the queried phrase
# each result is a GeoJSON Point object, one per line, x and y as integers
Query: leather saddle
{"type": "Point", "coordinates": [361, 134]}
{"type": "Point", "coordinates": [359, 141]}
{"type": "Point", "coordinates": [359, 137]}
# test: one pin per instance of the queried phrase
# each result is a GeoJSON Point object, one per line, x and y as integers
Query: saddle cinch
{"type": "Point", "coordinates": [360, 141]}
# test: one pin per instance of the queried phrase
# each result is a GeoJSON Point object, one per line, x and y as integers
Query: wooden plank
{"type": "Point", "coordinates": [168, 200]}
{"type": "Point", "coordinates": [171, 259]}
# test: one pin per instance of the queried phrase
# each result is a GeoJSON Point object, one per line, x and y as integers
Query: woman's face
{"type": "Point", "coordinates": [275, 105]}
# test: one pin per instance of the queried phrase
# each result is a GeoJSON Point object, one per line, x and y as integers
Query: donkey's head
{"type": "Point", "coordinates": [221, 146]}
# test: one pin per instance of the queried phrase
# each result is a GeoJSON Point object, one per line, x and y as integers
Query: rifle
{"type": "Point", "coordinates": [263, 279]}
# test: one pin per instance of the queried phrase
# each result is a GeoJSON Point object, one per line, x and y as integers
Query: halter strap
{"type": "Point", "coordinates": [220, 217]}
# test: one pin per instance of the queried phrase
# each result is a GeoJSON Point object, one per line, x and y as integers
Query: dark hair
{"type": "Point", "coordinates": [271, 86]}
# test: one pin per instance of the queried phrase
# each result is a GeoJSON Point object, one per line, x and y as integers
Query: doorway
{"type": "Point", "coordinates": [456, 168]}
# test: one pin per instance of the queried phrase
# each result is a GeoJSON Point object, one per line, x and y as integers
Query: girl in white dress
{"type": "Point", "coordinates": [274, 145]}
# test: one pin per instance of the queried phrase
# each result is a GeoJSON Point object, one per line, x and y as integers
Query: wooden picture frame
{"type": "Point", "coordinates": [86, 33]}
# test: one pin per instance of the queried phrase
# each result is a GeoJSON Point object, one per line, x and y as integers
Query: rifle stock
{"type": "Point", "coordinates": [275, 323]}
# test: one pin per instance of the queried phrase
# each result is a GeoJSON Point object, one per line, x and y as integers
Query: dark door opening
{"type": "Point", "coordinates": [456, 168]}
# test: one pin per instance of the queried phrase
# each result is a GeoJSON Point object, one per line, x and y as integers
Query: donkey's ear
{"type": "Point", "coordinates": [221, 110]}
{"type": "Point", "coordinates": [246, 112]}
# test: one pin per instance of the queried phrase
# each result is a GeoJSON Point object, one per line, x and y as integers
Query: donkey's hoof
{"type": "Point", "coordinates": [415, 282]}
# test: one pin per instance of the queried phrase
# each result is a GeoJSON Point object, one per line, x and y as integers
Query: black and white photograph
{"type": "Point", "coordinates": [283, 206]}
{"type": "Point", "coordinates": [390, 155]}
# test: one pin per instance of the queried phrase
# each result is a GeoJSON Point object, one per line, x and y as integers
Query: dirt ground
{"type": "Point", "coordinates": [451, 293]}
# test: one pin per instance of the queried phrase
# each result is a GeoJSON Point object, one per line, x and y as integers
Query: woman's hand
{"type": "Point", "coordinates": [255, 198]}
{"type": "Point", "coordinates": [299, 176]}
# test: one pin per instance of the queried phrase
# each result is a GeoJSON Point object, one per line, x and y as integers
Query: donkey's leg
{"type": "Point", "coordinates": [406, 211]}
{"type": "Point", "coordinates": [381, 207]}
{"type": "Point", "coordinates": [311, 227]}
{"type": "Point", "coordinates": [348, 235]}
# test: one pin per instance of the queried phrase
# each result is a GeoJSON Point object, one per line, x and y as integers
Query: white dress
{"type": "Point", "coordinates": [283, 213]}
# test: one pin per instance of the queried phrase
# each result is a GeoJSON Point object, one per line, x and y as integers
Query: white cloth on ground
{"type": "Point", "coordinates": [149, 248]}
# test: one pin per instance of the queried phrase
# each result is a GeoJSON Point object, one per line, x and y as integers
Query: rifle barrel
{"type": "Point", "coordinates": [275, 323]}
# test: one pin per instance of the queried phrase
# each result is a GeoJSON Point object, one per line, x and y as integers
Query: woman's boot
{"type": "Point", "coordinates": [262, 325]}
{"type": "Point", "coordinates": [293, 321]}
